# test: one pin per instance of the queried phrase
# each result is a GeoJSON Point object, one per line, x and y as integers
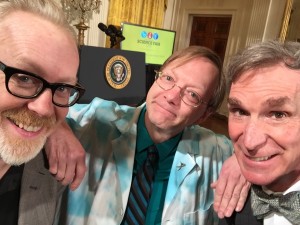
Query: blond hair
{"type": "Point", "coordinates": [184, 55]}
{"type": "Point", "coordinates": [50, 10]}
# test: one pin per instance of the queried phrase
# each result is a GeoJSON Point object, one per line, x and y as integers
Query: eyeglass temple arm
{"type": "Point", "coordinates": [79, 85]}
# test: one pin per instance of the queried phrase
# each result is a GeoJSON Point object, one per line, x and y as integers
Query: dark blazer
{"type": "Point", "coordinates": [40, 194]}
{"type": "Point", "coordinates": [245, 217]}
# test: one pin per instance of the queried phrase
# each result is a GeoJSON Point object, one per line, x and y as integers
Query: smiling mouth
{"type": "Point", "coordinates": [25, 127]}
{"type": "Point", "coordinates": [164, 108]}
{"type": "Point", "coordinates": [260, 159]}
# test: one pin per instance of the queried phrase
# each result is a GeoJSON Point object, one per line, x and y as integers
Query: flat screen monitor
{"type": "Point", "coordinates": [157, 44]}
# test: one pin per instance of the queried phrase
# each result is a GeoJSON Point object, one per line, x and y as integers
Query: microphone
{"type": "Point", "coordinates": [102, 27]}
{"type": "Point", "coordinates": [112, 32]}
{"type": "Point", "coordinates": [112, 29]}
{"type": "Point", "coordinates": [120, 35]}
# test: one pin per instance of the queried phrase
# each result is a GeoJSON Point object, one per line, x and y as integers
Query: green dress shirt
{"type": "Point", "coordinates": [166, 152]}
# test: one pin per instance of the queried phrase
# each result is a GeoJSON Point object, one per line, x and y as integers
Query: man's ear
{"type": "Point", "coordinates": [205, 115]}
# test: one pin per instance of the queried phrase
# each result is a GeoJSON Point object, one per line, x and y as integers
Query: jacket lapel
{"type": "Point", "coordinates": [124, 165]}
{"type": "Point", "coordinates": [182, 165]}
{"type": "Point", "coordinates": [38, 193]}
{"type": "Point", "coordinates": [124, 152]}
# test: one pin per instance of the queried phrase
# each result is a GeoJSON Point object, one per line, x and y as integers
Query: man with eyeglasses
{"type": "Point", "coordinates": [38, 66]}
{"type": "Point", "coordinates": [119, 187]}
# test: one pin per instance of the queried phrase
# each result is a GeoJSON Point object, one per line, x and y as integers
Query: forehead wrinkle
{"type": "Point", "coordinates": [27, 64]}
{"type": "Point", "coordinates": [188, 83]}
{"type": "Point", "coordinates": [21, 48]}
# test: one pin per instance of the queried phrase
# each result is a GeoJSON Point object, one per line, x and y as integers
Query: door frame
{"type": "Point", "coordinates": [185, 31]}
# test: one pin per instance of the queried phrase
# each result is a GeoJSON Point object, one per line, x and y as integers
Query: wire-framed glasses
{"type": "Point", "coordinates": [187, 95]}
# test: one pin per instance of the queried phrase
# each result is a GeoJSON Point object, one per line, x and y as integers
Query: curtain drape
{"type": "Point", "coordinates": [144, 12]}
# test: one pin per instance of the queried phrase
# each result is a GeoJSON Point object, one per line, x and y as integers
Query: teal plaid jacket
{"type": "Point", "coordinates": [108, 133]}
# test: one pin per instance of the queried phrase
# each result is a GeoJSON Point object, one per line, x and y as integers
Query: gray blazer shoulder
{"type": "Point", "coordinates": [40, 193]}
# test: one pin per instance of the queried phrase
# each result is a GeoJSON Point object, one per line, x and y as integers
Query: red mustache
{"type": "Point", "coordinates": [27, 117]}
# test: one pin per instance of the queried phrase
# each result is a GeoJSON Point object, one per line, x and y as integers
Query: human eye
{"type": "Point", "coordinates": [237, 112]}
{"type": "Point", "coordinates": [277, 115]}
{"type": "Point", "coordinates": [192, 96]}
{"type": "Point", "coordinates": [24, 81]}
{"type": "Point", "coordinates": [63, 91]}
{"type": "Point", "coordinates": [167, 78]}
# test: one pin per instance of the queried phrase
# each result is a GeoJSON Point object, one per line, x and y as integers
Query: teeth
{"type": "Point", "coordinates": [27, 128]}
{"type": "Point", "coordinates": [258, 159]}
{"type": "Point", "coordinates": [33, 129]}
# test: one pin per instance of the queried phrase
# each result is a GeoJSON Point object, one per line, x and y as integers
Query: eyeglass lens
{"type": "Point", "coordinates": [27, 86]}
{"type": "Point", "coordinates": [187, 95]}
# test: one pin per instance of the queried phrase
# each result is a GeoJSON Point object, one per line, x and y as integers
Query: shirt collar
{"type": "Point", "coordinates": [144, 140]}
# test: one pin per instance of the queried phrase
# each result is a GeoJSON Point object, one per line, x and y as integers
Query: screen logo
{"type": "Point", "coordinates": [149, 35]}
{"type": "Point", "coordinates": [118, 72]}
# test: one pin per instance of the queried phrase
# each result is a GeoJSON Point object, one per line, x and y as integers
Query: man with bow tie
{"type": "Point", "coordinates": [264, 125]}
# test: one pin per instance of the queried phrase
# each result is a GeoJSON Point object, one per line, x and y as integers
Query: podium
{"type": "Point", "coordinates": [112, 74]}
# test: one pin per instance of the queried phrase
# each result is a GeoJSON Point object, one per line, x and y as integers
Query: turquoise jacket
{"type": "Point", "coordinates": [108, 133]}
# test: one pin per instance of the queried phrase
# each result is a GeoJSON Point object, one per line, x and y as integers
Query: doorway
{"type": "Point", "coordinates": [211, 32]}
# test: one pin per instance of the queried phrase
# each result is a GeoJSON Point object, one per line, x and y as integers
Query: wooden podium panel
{"type": "Point", "coordinates": [97, 75]}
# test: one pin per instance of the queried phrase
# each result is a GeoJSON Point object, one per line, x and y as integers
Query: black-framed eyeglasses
{"type": "Point", "coordinates": [187, 95]}
{"type": "Point", "coordinates": [27, 85]}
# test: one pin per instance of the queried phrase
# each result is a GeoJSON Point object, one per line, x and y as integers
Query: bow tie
{"type": "Point", "coordinates": [286, 205]}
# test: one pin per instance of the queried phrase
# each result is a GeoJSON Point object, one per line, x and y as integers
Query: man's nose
{"type": "Point", "coordinates": [173, 95]}
{"type": "Point", "coordinates": [254, 135]}
{"type": "Point", "coordinates": [42, 104]}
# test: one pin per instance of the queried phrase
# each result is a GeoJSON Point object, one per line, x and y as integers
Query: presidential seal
{"type": "Point", "coordinates": [118, 72]}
